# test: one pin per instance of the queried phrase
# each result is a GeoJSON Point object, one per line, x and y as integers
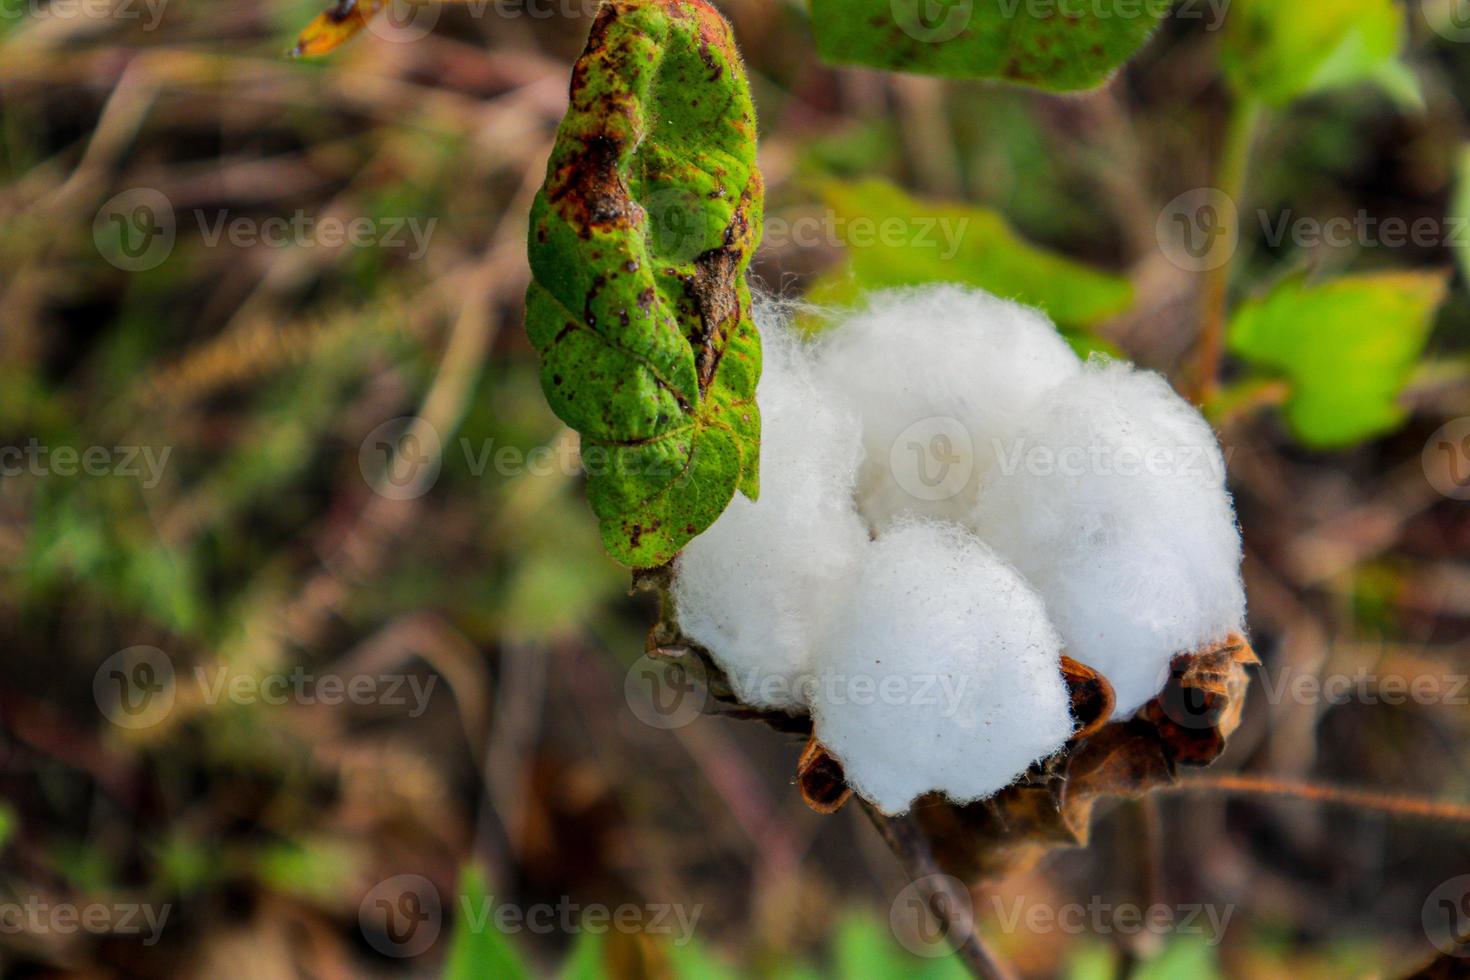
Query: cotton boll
{"type": "Point", "coordinates": [941, 671]}
{"type": "Point", "coordinates": [1111, 500]}
{"type": "Point", "coordinates": [937, 374]}
{"type": "Point", "coordinates": [758, 588]}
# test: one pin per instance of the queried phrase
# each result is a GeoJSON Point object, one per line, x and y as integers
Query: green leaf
{"type": "Point", "coordinates": [865, 949]}
{"type": "Point", "coordinates": [1347, 348]}
{"type": "Point", "coordinates": [478, 949]}
{"type": "Point", "coordinates": [1277, 51]}
{"type": "Point", "coordinates": [585, 961]}
{"type": "Point", "coordinates": [933, 242]}
{"type": "Point", "coordinates": [639, 244]}
{"type": "Point", "coordinates": [1058, 45]}
{"type": "Point", "coordinates": [1190, 958]}
{"type": "Point", "coordinates": [692, 961]}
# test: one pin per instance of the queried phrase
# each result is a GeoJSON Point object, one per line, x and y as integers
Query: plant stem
{"type": "Point", "coordinates": [1359, 799]}
{"type": "Point", "coordinates": [1240, 136]}
{"type": "Point", "coordinates": [908, 843]}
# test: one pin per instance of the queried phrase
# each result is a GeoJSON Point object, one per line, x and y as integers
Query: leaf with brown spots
{"type": "Point", "coordinates": [639, 243]}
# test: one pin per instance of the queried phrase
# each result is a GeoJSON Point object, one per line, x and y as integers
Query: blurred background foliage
{"type": "Point", "coordinates": [267, 373]}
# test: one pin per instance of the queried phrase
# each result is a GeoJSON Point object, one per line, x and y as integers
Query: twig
{"type": "Point", "coordinates": [1403, 806]}
{"type": "Point", "coordinates": [1240, 137]}
{"type": "Point", "coordinates": [907, 841]}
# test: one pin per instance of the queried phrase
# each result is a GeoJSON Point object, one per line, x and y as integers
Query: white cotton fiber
{"type": "Point", "coordinates": [941, 671]}
{"type": "Point", "coordinates": [758, 588]}
{"type": "Point", "coordinates": [937, 374]}
{"type": "Point", "coordinates": [949, 502]}
{"type": "Point", "coordinates": [1111, 501]}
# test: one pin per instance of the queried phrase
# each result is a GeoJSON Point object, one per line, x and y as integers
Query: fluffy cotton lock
{"type": "Point", "coordinates": [941, 672]}
{"type": "Point", "coordinates": [937, 375]}
{"type": "Point", "coordinates": [758, 588]}
{"type": "Point", "coordinates": [1111, 500]}
{"type": "Point", "coordinates": [950, 500]}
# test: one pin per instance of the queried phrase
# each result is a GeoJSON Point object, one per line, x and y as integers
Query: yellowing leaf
{"type": "Point", "coordinates": [335, 27]}
{"type": "Point", "coordinates": [1347, 347]}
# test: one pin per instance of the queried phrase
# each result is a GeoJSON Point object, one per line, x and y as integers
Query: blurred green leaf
{"type": "Point", "coordinates": [639, 244]}
{"type": "Point", "coordinates": [1277, 51]}
{"type": "Point", "coordinates": [1346, 346]}
{"type": "Point", "coordinates": [585, 961]}
{"type": "Point", "coordinates": [1092, 961]}
{"type": "Point", "coordinates": [1460, 206]}
{"type": "Point", "coordinates": [318, 869]}
{"type": "Point", "coordinates": [1183, 959]}
{"type": "Point", "coordinates": [478, 949]}
{"type": "Point", "coordinates": [865, 949]}
{"type": "Point", "coordinates": [1015, 40]}
{"type": "Point", "coordinates": [692, 961]}
{"type": "Point", "coordinates": [933, 242]}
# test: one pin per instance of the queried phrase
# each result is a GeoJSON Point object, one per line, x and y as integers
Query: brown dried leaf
{"type": "Point", "coordinates": [820, 778]}
{"type": "Point", "coordinates": [335, 27]}
{"type": "Point", "coordinates": [1092, 697]}
{"type": "Point", "coordinates": [1199, 709]}
{"type": "Point", "coordinates": [1188, 724]}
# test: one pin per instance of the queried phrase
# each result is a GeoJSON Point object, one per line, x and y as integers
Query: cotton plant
{"type": "Point", "coordinates": [928, 536]}
{"type": "Point", "coordinates": [952, 501]}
